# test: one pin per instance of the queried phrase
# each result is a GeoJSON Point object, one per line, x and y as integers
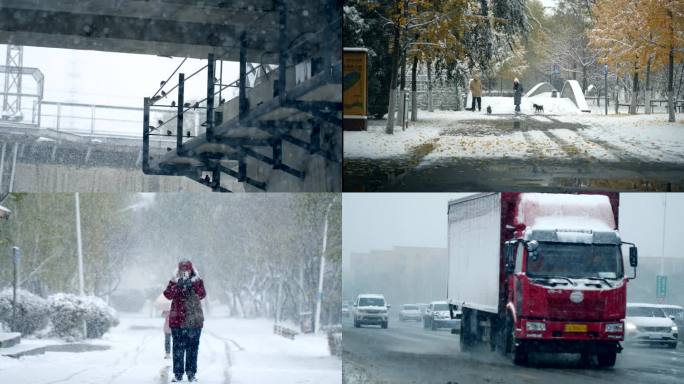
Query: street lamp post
{"type": "Point", "coordinates": [16, 257]}
{"type": "Point", "coordinates": [79, 248]}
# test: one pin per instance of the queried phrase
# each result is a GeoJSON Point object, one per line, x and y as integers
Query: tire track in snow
{"type": "Point", "coordinates": [137, 350]}
{"type": "Point", "coordinates": [66, 379]}
{"type": "Point", "coordinates": [619, 153]}
{"type": "Point", "coordinates": [226, 347]}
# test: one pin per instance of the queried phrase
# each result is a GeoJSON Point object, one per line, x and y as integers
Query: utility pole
{"type": "Point", "coordinates": [321, 272]}
{"type": "Point", "coordinates": [80, 256]}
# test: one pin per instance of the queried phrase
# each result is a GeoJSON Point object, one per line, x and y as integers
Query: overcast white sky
{"type": "Point", "coordinates": [94, 77]}
{"type": "Point", "coordinates": [383, 220]}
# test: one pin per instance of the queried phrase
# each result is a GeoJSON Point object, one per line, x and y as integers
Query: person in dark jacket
{"type": "Point", "coordinates": [517, 93]}
{"type": "Point", "coordinates": [185, 290]}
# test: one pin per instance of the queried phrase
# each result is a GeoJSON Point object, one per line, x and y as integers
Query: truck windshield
{"type": "Point", "coordinates": [371, 302]}
{"type": "Point", "coordinates": [576, 261]}
{"type": "Point", "coordinates": [411, 307]}
{"type": "Point", "coordinates": [441, 307]}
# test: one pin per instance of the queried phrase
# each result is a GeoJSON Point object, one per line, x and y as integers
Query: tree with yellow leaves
{"type": "Point", "coordinates": [663, 37]}
{"type": "Point", "coordinates": [632, 35]}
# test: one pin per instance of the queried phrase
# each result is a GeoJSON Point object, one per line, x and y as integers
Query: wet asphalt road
{"type": "Point", "coordinates": [476, 175]}
{"type": "Point", "coordinates": [407, 353]}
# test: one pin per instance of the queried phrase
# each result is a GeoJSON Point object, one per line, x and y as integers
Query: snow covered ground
{"type": "Point", "coordinates": [560, 133]}
{"type": "Point", "coordinates": [235, 351]}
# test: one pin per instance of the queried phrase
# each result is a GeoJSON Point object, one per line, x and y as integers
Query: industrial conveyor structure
{"type": "Point", "coordinates": [283, 115]}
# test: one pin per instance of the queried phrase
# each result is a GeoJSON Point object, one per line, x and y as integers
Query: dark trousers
{"type": "Point", "coordinates": [167, 342]}
{"type": "Point", "coordinates": [185, 346]}
{"type": "Point", "coordinates": [479, 103]}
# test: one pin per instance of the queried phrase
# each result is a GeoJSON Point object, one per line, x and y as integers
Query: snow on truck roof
{"type": "Point", "coordinates": [565, 211]}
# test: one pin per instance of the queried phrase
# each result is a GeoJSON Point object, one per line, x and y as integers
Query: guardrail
{"type": "Point", "coordinates": [284, 331]}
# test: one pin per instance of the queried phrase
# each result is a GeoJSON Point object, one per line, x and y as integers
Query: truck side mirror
{"type": "Point", "coordinates": [532, 249]}
{"type": "Point", "coordinates": [509, 257]}
{"type": "Point", "coordinates": [633, 258]}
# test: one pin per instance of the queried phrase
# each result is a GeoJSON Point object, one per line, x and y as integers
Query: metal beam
{"type": "Point", "coordinates": [243, 107]}
{"type": "Point", "coordinates": [241, 176]}
{"type": "Point", "coordinates": [146, 136]}
{"type": "Point", "coordinates": [179, 113]}
{"type": "Point", "coordinates": [210, 97]}
{"type": "Point", "coordinates": [283, 45]}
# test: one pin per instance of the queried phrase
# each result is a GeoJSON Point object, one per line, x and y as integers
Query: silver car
{"type": "Point", "coordinates": [648, 324]}
{"type": "Point", "coordinates": [410, 312]}
{"type": "Point", "coordinates": [438, 315]}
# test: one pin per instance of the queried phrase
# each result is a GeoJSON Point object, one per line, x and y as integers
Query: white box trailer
{"type": "Point", "coordinates": [473, 247]}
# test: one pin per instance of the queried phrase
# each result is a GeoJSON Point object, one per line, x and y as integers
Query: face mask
{"type": "Point", "coordinates": [186, 274]}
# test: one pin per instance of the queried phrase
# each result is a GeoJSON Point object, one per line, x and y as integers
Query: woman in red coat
{"type": "Point", "coordinates": [185, 290]}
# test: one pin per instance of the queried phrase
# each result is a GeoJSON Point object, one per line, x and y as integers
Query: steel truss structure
{"type": "Point", "coordinates": [310, 109]}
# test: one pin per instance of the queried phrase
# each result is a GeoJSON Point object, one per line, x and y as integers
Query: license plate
{"type": "Point", "coordinates": [575, 327]}
{"type": "Point", "coordinates": [654, 337]}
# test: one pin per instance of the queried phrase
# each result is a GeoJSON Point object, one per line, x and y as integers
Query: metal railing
{"type": "Point", "coordinates": [96, 119]}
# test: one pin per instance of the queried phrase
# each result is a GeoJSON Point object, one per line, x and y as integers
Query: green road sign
{"type": "Point", "coordinates": [661, 286]}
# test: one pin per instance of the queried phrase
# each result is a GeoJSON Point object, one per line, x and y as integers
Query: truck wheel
{"type": "Point", "coordinates": [518, 354]}
{"type": "Point", "coordinates": [432, 326]}
{"type": "Point", "coordinates": [384, 325]}
{"type": "Point", "coordinates": [606, 359]}
{"type": "Point", "coordinates": [464, 336]}
{"type": "Point", "coordinates": [673, 345]}
{"type": "Point", "coordinates": [356, 324]}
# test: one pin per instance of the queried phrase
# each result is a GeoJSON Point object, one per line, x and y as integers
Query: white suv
{"type": "Point", "coordinates": [370, 309]}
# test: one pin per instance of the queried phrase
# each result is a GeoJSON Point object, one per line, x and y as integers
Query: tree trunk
{"type": "Point", "coordinates": [584, 78]}
{"type": "Point", "coordinates": [429, 84]}
{"type": "Point", "coordinates": [402, 95]}
{"type": "Point", "coordinates": [681, 77]}
{"type": "Point", "coordinates": [670, 87]}
{"type": "Point", "coordinates": [635, 93]}
{"type": "Point", "coordinates": [647, 90]}
{"type": "Point", "coordinates": [414, 98]}
{"type": "Point", "coordinates": [389, 129]}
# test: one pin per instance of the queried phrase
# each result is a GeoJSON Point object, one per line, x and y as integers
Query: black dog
{"type": "Point", "coordinates": [538, 108]}
{"type": "Point", "coordinates": [489, 110]}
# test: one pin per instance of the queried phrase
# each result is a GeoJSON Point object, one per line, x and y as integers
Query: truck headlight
{"type": "Point", "coordinates": [614, 328]}
{"type": "Point", "coordinates": [630, 326]}
{"type": "Point", "coordinates": [674, 329]}
{"type": "Point", "coordinates": [535, 326]}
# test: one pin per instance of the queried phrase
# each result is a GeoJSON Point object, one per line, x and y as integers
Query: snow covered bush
{"type": "Point", "coordinates": [32, 311]}
{"type": "Point", "coordinates": [67, 313]}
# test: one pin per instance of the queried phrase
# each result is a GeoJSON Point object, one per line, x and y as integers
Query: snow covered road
{"type": "Point", "coordinates": [613, 146]}
{"type": "Point", "coordinates": [232, 351]}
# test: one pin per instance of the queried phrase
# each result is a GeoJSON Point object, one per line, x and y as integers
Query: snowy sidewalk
{"type": "Point", "coordinates": [231, 351]}
{"type": "Point", "coordinates": [259, 356]}
{"type": "Point", "coordinates": [451, 135]}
